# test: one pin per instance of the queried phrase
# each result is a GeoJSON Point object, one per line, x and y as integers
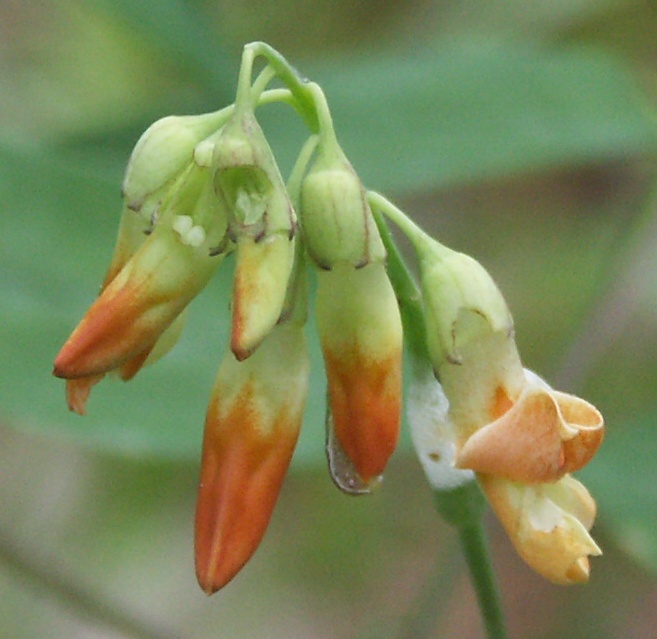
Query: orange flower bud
{"type": "Point", "coordinates": [251, 429]}
{"type": "Point", "coordinates": [151, 289]}
{"type": "Point", "coordinates": [361, 334]}
{"type": "Point", "coordinates": [262, 222]}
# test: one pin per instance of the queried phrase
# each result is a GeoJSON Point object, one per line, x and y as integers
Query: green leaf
{"type": "Point", "coordinates": [479, 110]}
{"type": "Point", "coordinates": [620, 478]}
{"type": "Point", "coordinates": [180, 31]}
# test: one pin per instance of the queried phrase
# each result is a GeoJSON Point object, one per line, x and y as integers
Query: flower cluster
{"type": "Point", "coordinates": [198, 188]}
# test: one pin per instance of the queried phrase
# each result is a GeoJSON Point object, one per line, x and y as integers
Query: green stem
{"type": "Point", "coordinates": [477, 555]}
{"type": "Point", "coordinates": [406, 290]}
{"type": "Point", "coordinates": [299, 170]}
{"type": "Point", "coordinates": [243, 93]}
{"type": "Point", "coordinates": [289, 76]}
{"type": "Point", "coordinates": [420, 240]}
{"type": "Point", "coordinates": [261, 82]}
{"type": "Point", "coordinates": [462, 507]}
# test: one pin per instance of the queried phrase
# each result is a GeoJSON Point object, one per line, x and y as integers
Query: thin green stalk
{"type": "Point", "coordinates": [462, 507]}
{"type": "Point", "coordinates": [477, 555]}
{"type": "Point", "coordinates": [289, 76]}
{"type": "Point", "coordinates": [261, 82]}
{"type": "Point", "coordinates": [407, 292]}
{"type": "Point", "coordinates": [299, 170]}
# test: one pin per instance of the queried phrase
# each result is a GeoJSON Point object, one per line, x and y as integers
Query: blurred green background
{"type": "Point", "coordinates": [522, 133]}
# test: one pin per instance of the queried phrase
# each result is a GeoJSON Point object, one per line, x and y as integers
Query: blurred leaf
{"type": "Point", "coordinates": [620, 478]}
{"type": "Point", "coordinates": [57, 239]}
{"type": "Point", "coordinates": [179, 30]}
{"type": "Point", "coordinates": [477, 110]}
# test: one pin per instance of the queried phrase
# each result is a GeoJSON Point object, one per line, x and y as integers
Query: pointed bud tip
{"type": "Point", "coordinates": [209, 583]}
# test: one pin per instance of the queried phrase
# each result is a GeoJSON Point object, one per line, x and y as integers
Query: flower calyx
{"type": "Point", "coordinates": [262, 224]}
{"type": "Point", "coordinates": [336, 218]}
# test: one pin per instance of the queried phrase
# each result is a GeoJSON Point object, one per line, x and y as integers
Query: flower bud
{"type": "Point", "coordinates": [456, 288]}
{"type": "Point", "coordinates": [164, 150]}
{"type": "Point", "coordinates": [360, 331]}
{"type": "Point", "coordinates": [336, 218]}
{"type": "Point", "coordinates": [262, 223]}
{"type": "Point", "coordinates": [153, 287]}
{"type": "Point", "coordinates": [262, 273]}
{"type": "Point", "coordinates": [251, 430]}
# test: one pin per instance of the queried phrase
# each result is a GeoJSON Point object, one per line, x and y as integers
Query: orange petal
{"type": "Point", "coordinates": [243, 466]}
{"type": "Point", "coordinates": [527, 443]}
{"type": "Point", "coordinates": [365, 398]}
{"type": "Point", "coordinates": [590, 430]}
{"type": "Point", "coordinates": [548, 525]}
{"type": "Point", "coordinates": [116, 328]}
{"type": "Point", "coordinates": [77, 392]}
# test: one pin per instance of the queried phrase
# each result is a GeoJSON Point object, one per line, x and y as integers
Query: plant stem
{"type": "Point", "coordinates": [475, 549]}
{"type": "Point", "coordinates": [406, 290]}
{"type": "Point", "coordinates": [462, 507]}
{"type": "Point", "coordinates": [289, 76]}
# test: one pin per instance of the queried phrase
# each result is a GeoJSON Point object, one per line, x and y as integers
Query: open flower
{"type": "Point", "coordinates": [520, 436]}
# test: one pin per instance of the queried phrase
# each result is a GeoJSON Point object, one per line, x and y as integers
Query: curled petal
{"type": "Point", "coordinates": [548, 525]}
{"type": "Point", "coordinates": [251, 429]}
{"type": "Point", "coordinates": [541, 437]}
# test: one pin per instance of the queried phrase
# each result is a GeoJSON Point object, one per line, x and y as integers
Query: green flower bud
{"type": "Point", "coordinates": [336, 219]}
{"type": "Point", "coordinates": [462, 301]}
{"type": "Point", "coordinates": [164, 150]}
{"type": "Point", "coordinates": [261, 222]}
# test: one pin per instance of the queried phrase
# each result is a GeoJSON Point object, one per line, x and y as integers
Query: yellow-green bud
{"type": "Point", "coordinates": [164, 150]}
{"type": "Point", "coordinates": [249, 181]}
{"type": "Point", "coordinates": [459, 294]}
{"type": "Point", "coordinates": [336, 219]}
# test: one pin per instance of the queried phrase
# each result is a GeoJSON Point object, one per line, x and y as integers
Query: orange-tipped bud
{"type": "Point", "coordinates": [251, 429]}
{"type": "Point", "coordinates": [361, 334]}
{"type": "Point", "coordinates": [135, 309]}
{"type": "Point", "coordinates": [262, 222]}
{"type": "Point", "coordinates": [262, 273]}
{"type": "Point", "coordinates": [150, 291]}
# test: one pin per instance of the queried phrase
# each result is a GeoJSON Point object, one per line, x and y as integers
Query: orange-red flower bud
{"type": "Point", "coordinates": [149, 292]}
{"type": "Point", "coordinates": [360, 330]}
{"type": "Point", "coordinates": [251, 429]}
